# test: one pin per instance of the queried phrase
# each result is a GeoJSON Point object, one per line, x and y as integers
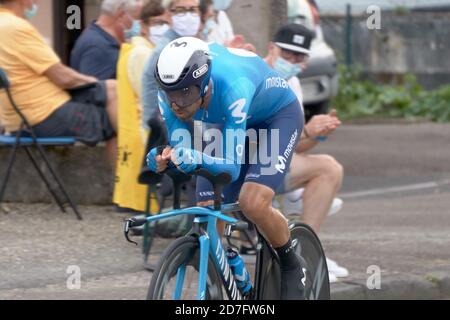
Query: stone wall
{"type": "Point", "coordinates": [84, 171]}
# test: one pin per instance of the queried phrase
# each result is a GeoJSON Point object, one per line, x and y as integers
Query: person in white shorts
{"type": "Point", "coordinates": [314, 180]}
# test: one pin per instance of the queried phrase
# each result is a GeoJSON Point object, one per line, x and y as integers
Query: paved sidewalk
{"type": "Point", "coordinates": [405, 231]}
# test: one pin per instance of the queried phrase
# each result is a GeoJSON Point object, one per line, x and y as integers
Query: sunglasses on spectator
{"type": "Point", "coordinates": [184, 10]}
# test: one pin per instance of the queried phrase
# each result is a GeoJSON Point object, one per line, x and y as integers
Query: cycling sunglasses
{"type": "Point", "coordinates": [183, 98]}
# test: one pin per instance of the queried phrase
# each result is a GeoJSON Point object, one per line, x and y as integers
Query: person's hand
{"type": "Point", "coordinates": [90, 79]}
{"type": "Point", "coordinates": [159, 163]}
{"type": "Point", "coordinates": [323, 125]}
{"type": "Point", "coordinates": [238, 42]}
{"type": "Point", "coordinates": [186, 160]}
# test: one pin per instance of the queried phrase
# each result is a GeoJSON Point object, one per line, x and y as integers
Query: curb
{"type": "Point", "coordinates": [433, 285]}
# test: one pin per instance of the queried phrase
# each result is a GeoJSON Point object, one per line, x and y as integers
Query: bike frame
{"type": "Point", "coordinates": [210, 245]}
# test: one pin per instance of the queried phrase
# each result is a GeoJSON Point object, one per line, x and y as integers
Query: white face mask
{"type": "Point", "coordinates": [157, 32]}
{"type": "Point", "coordinates": [186, 25]}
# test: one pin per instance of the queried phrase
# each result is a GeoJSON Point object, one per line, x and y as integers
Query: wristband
{"type": "Point", "coordinates": [321, 138]}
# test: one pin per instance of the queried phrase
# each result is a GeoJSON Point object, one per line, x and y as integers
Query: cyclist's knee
{"type": "Point", "coordinates": [254, 199]}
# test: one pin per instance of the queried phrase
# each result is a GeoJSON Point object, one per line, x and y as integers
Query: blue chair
{"type": "Point", "coordinates": [26, 138]}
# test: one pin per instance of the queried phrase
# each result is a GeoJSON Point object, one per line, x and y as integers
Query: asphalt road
{"type": "Point", "coordinates": [396, 216]}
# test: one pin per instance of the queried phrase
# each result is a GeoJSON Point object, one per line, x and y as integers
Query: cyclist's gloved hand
{"type": "Point", "coordinates": [158, 159]}
{"type": "Point", "coordinates": [186, 160]}
{"type": "Point", "coordinates": [151, 159]}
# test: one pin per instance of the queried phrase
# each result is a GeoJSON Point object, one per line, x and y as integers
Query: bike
{"type": "Point", "coordinates": [195, 266]}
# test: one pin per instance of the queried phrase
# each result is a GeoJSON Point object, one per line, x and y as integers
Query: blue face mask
{"type": "Point", "coordinates": [30, 13]}
{"type": "Point", "coordinates": [134, 31]}
{"type": "Point", "coordinates": [221, 5]}
{"type": "Point", "coordinates": [286, 69]}
{"type": "Point", "coordinates": [210, 25]}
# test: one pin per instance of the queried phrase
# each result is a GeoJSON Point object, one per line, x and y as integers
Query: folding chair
{"type": "Point", "coordinates": [26, 138]}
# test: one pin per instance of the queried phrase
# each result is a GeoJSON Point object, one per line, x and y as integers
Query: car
{"type": "Point", "coordinates": [320, 79]}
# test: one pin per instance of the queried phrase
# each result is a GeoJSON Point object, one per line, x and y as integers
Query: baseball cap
{"type": "Point", "coordinates": [294, 37]}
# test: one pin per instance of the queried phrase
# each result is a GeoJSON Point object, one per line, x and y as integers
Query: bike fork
{"type": "Point", "coordinates": [203, 272]}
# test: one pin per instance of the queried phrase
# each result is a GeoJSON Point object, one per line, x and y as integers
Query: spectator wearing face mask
{"type": "Point", "coordinates": [97, 49]}
{"type": "Point", "coordinates": [186, 22]}
{"type": "Point", "coordinates": [129, 195]}
{"type": "Point", "coordinates": [313, 181]}
{"type": "Point", "coordinates": [216, 27]}
{"type": "Point", "coordinates": [155, 22]}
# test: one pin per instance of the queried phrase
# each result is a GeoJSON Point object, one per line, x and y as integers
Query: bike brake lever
{"type": "Point", "coordinates": [127, 231]}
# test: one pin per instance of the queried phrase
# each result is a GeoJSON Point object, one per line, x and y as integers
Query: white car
{"type": "Point", "coordinates": [320, 79]}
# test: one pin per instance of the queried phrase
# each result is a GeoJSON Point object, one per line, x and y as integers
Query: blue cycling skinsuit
{"type": "Point", "coordinates": [247, 96]}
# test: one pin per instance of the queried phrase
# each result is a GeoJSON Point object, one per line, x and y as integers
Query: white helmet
{"type": "Point", "coordinates": [183, 64]}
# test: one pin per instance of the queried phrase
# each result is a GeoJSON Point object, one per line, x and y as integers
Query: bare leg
{"type": "Point", "coordinates": [111, 109]}
{"type": "Point", "coordinates": [111, 106]}
{"type": "Point", "coordinates": [255, 201]}
{"type": "Point", "coordinates": [321, 175]}
{"type": "Point", "coordinates": [111, 152]}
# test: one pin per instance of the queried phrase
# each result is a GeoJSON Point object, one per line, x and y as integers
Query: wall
{"type": "Point", "coordinates": [44, 20]}
{"type": "Point", "coordinates": [416, 42]}
{"type": "Point", "coordinates": [257, 20]}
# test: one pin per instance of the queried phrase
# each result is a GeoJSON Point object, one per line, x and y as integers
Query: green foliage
{"type": "Point", "coordinates": [358, 98]}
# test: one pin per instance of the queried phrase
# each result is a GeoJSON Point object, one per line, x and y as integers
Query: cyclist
{"type": "Point", "coordinates": [238, 90]}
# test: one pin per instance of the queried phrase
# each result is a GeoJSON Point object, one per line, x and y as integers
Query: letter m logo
{"type": "Point", "coordinates": [178, 44]}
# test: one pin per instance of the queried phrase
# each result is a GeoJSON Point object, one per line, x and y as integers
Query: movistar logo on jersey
{"type": "Point", "coordinates": [238, 110]}
{"type": "Point", "coordinates": [200, 71]}
{"type": "Point", "coordinates": [281, 166]}
{"type": "Point", "coordinates": [276, 82]}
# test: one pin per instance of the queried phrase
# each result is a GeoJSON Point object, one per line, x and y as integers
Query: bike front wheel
{"type": "Point", "coordinates": [309, 248]}
{"type": "Point", "coordinates": [177, 274]}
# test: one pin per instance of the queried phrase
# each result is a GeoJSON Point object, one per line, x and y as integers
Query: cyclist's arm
{"type": "Point", "coordinates": [237, 100]}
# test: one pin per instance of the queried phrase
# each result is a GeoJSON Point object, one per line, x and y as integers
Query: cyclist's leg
{"type": "Point", "coordinates": [321, 176]}
{"type": "Point", "coordinates": [259, 189]}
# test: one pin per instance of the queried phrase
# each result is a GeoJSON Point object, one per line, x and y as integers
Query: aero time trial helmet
{"type": "Point", "coordinates": [183, 70]}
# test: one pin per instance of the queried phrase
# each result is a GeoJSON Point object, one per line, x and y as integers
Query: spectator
{"type": "Point", "coordinates": [128, 193]}
{"type": "Point", "coordinates": [216, 27]}
{"type": "Point", "coordinates": [39, 82]}
{"type": "Point", "coordinates": [155, 21]}
{"type": "Point", "coordinates": [96, 51]}
{"type": "Point", "coordinates": [186, 21]}
{"type": "Point", "coordinates": [320, 175]}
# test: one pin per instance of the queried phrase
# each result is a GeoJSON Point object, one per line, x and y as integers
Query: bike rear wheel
{"type": "Point", "coordinates": [183, 254]}
{"type": "Point", "coordinates": [309, 248]}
